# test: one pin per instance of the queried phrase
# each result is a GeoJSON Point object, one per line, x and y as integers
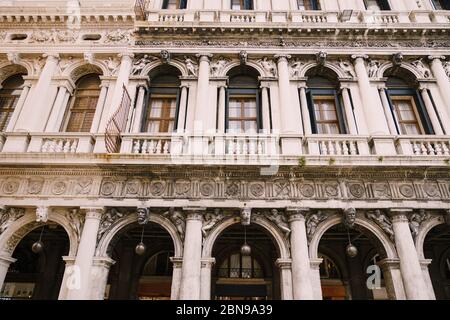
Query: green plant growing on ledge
{"type": "Point", "coordinates": [302, 162]}
{"type": "Point", "coordinates": [331, 161]}
{"type": "Point", "coordinates": [447, 161]}
{"type": "Point", "coordinates": [380, 158]}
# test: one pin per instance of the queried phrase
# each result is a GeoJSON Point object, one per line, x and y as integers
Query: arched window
{"type": "Point", "coordinates": [159, 265]}
{"type": "Point", "coordinates": [308, 5]}
{"type": "Point", "coordinates": [377, 5]}
{"type": "Point", "coordinates": [243, 102]}
{"type": "Point", "coordinates": [242, 4]}
{"type": "Point", "coordinates": [328, 268]}
{"type": "Point", "coordinates": [163, 103]}
{"type": "Point", "coordinates": [9, 96]}
{"type": "Point", "coordinates": [325, 103]}
{"type": "Point", "coordinates": [441, 4]}
{"type": "Point", "coordinates": [238, 266]}
{"type": "Point", "coordinates": [83, 104]}
{"type": "Point", "coordinates": [174, 4]}
{"type": "Point", "coordinates": [409, 112]}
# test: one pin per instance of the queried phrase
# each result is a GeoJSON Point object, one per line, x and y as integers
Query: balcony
{"type": "Point", "coordinates": [228, 149]}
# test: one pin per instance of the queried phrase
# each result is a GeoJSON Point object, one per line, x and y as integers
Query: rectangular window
{"type": "Point", "coordinates": [242, 114]}
{"type": "Point", "coordinates": [441, 4]}
{"type": "Point", "coordinates": [8, 102]}
{"type": "Point", "coordinates": [377, 5]}
{"type": "Point", "coordinates": [241, 5]}
{"type": "Point", "coordinates": [406, 112]}
{"type": "Point", "coordinates": [83, 110]}
{"type": "Point", "coordinates": [161, 114]}
{"type": "Point", "coordinates": [308, 5]}
{"type": "Point", "coordinates": [174, 4]}
{"type": "Point", "coordinates": [326, 116]}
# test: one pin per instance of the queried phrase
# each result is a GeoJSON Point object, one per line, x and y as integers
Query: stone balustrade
{"type": "Point", "coordinates": [337, 145]}
{"type": "Point", "coordinates": [424, 146]}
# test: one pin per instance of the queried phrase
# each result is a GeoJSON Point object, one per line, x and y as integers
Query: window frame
{"type": "Point", "coordinates": [243, 92]}
{"type": "Point", "coordinates": [159, 92]}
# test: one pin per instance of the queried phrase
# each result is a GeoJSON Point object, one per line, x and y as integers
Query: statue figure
{"type": "Point", "coordinates": [108, 219]}
{"type": "Point", "coordinates": [312, 222]}
{"type": "Point", "coordinates": [296, 67]}
{"type": "Point", "coordinates": [113, 65]}
{"type": "Point", "coordinates": [373, 67]}
{"type": "Point", "coordinates": [321, 58]}
{"type": "Point", "coordinates": [210, 221]}
{"type": "Point", "coordinates": [143, 215]}
{"type": "Point", "coordinates": [421, 68]}
{"type": "Point", "coordinates": [347, 67]}
{"type": "Point", "coordinates": [9, 216]}
{"type": "Point", "coordinates": [178, 219]}
{"type": "Point", "coordinates": [280, 220]}
{"type": "Point", "coordinates": [382, 221]}
{"type": "Point", "coordinates": [269, 66]}
{"type": "Point", "coordinates": [218, 66]}
{"type": "Point", "coordinates": [76, 221]}
{"type": "Point", "coordinates": [42, 214]}
{"type": "Point", "coordinates": [397, 59]}
{"type": "Point", "coordinates": [191, 66]}
{"type": "Point", "coordinates": [349, 218]}
{"type": "Point", "coordinates": [140, 64]}
{"type": "Point", "coordinates": [246, 216]}
{"type": "Point", "coordinates": [415, 220]}
{"type": "Point", "coordinates": [243, 57]}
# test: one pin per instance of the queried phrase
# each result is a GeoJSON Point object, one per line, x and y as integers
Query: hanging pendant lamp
{"type": "Point", "coordinates": [38, 246]}
{"type": "Point", "coordinates": [141, 248]}
{"type": "Point", "coordinates": [246, 250]}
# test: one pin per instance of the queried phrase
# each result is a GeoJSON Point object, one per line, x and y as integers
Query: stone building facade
{"type": "Point", "coordinates": [305, 129]}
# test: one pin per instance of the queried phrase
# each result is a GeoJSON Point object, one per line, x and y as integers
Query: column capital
{"type": "Point", "coordinates": [382, 86]}
{"type": "Point", "coordinates": [208, 262]}
{"type": "Point", "coordinates": [389, 264]}
{"type": "Point", "coordinates": [432, 58]}
{"type": "Point", "coordinates": [204, 56]}
{"type": "Point", "coordinates": [315, 263]}
{"type": "Point", "coordinates": [126, 55]}
{"type": "Point", "coordinates": [51, 56]}
{"type": "Point", "coordinates": [423, 86]}
{"type": "Point", "coordinates": [94, 212]}
{"type": "Point", "coordinates": [400, 215]}
{"type": "Point", "coordinates": [284, 263]}
{"type": "Point", "coordinates": [6, 261]}
{"type": "Point", "coordinates": [357, 57]}
{"type": "Point", "coordinates": [105, 262]}
{"type": "Point", "coordinates": [177, 262]}
{"type": "Point", "coordinates": [194, 213]}
{"type": "Point", "coordinates": [282, 57]}
{"type": "Point", "coordinates": [296, 214]}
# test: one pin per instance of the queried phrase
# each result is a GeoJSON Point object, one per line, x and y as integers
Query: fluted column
{"type": "Point", "coordinates": [205, 277]}
{"type": "Point", "coordinates": [415, 287]}
{"type": "Point", "coordinates": [59, 107]}
{"type": "Point", "coordinates": [176, 277]}
{"type": "Point", "coordinates": [183, 108]}
{"type": "Point", "coordinates": [85, 254]}
{"type": "Point", "coordinates": [431, 111]}
{"type": "Point", "coordinates": [192, 254]}
{"type": "Point", "coordinates": [265, 106]}
{"type": "Point", "coordinates": [305, 110]}
{"type": "Point", "coordinates": [441, 77]}
{"type": "Point", "coordinates": [301, 271]}
{"type": "Point", "coordinates": [100, 106]}
{"type": "Point", "coordinates": [349, 111]}
{"type": "Point", "coordinates": [387, 110]}
{"type": "Point", "coordinates": [19, 106]}
{"type": "Point", "coordinates": [39, 105]}
{"type": "Point", "coordinates": [374, 114]}
{"type": "Point", "coordinates": [202, 108]}
{"type": "Point", "coordinates": [5, 262]}
{"type": "Point", "coordinates": [221, 109]}
{"type": "Point", "coordinates": [140, 103]}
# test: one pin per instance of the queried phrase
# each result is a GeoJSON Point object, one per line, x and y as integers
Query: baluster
{"type": "Point", "coordinates": [65, 146]}
{"type": "Point", "coordinates": [166, 147]}
{"type": "Point", "coordinates": [59, 146]}
{"type": "Point", "coordinates": [345, 148]}
{"type": "Point", "coordinates": [445, 148]}
{"type": "Point", "coordinates": [261, 146]}
{"type": "Point", "coordinates": [252, 149]}
{"type": "Point", "coordinates": [51, 146]}
{"type": "Point", "coordinates": [430, 149]}
{"type": "Point", "coordinates": [136, 146]}
{"type": "Point", "coordinates": [438, 148]}
{"type": "Point", "coordinates": [323, 148]}
{"type": "Point", "coordinates": [423, 149]}
{"type": "Point", "coordinates": [416, 148]}
{"type": "Point", "coordinates": [144, 146]}
{"type": "Point", "coordinates": [353, 148]}
{"type": "Point", "coordinates": [74, 146]}
{"type": "Point", "coordinates": [245, 147]}
{"type": "Point", "coordinates": [44, 147]}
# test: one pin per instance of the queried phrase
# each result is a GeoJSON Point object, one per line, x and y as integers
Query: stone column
{"type": "Point", "coordinates": [183, 108]}
{"type": "Point", "coordinates": [315, 279]}
{"type": "Point", "coordinates": [301, 271]}
{"type": "Point", "coordinates": [221, 109]}
{"type": "Point", "coordinates": [305, 111]}
{"type": "Point", "coordinates": [349, 111]}
{"type": "Point", "coordinates": [69, 261]}
{"type": "Point", "coordinates": [176, 277]}
{"type": "Point", "coordinates": [4, 265]}
{"type": "Point", "coordinates": [376, 121]}
{"type": "Point", "coordinates": [139, 113]}
{"type": "Point", "coordinates": [192, 253]}
{"type": "Point", "coordinates": [431, 111]}
{"type": "Point", "coordinates": [426, 276]}
{"type": "Point", "coordinates": [441, 77]}
{"type": "Point", "coordinates": [201, 108]}
{"type": "Point", "coordinates": [85, 254]}
{"type": "Point", "coordinates": [387, 110]}
{"type": "Point", "coordinates": [39, 106]}
{"type": "Point", "coordinates": [285, 266]}
{"type": "Point", "coordinates": [99, 277]}
{"type": "Point", "coordinates": [19, 106]}
{"type": "Point", "coordinates": [393, 279]}
{"type": "Point", "coordinates": [265, 106]}
{"type": "Point", "coordinates": [100, 106]}
{"type": "Point", "coordinates": [205, 278]}
{"type": "Point", "coordinates": [415, 287]}
{"type": "Point", "coordinates": [59, 107]}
